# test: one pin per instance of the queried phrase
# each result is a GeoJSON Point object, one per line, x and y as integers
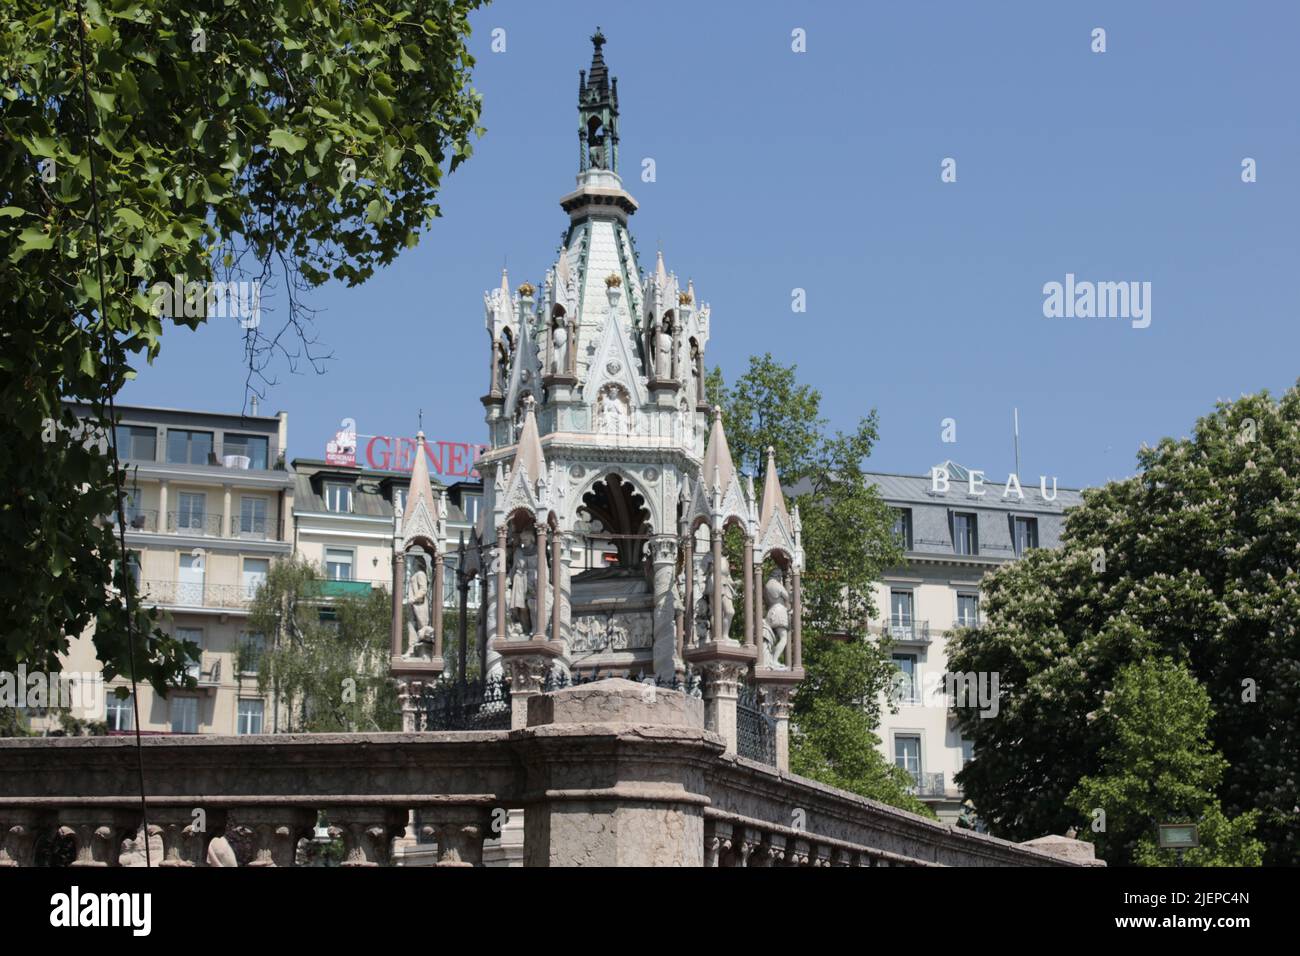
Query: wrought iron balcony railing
{"type": "Point", "coordinates": [927, 785]}
{"type": "Point", "coordinates": [246, 526]}
{"type": "Point", "coordinates": [905, 629]}
{"type": "Point", "coordinates": [196, 594]}
{"type": "Point", "coordinates": [208, 524]}
{"type": "Point", "coordinates": [137, 519]}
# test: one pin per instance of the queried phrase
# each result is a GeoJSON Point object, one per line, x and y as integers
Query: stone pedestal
{"type": "Point", "coordinates": [776, 689]}
{"type": "Point", "coordinates": [663, 555]}
{"type": "Point", "coordinates": [527, 663]}
{"type": "Point", "coordinates": [723, 667]}
{"type": "Point", "coordinates": [636, 797]}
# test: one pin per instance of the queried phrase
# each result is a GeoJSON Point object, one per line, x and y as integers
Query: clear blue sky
{"type": "Point", "coordinates": [820, 170]}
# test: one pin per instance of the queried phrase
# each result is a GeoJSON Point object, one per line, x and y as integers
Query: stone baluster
{"type": "Point", "coordinates": [96, 834]}
{"type": "Point", "coordinates": [367, 833]}
{"type": "Point", "coordinates": [184, 835]}
{"type": "Point", "coordinates": [717, 842]}
{"type": "Point", "coordinates": [459, 832]}
{"type": "Point", "coordinates": [771, 851]}
{"type": "Point", "coordinates": [18, 830]}
{"type": "Point", "coordinates": [275, 832]}
{"type": "Point", "coordinates": [797, 853]}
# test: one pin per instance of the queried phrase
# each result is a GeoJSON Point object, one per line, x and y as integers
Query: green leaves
{"type": "Point", "coordinates": [287, 141]}
{"type": "Point", "coordinates": [1199, 567]}
{"type": "Point", "coordinates": [199, 155]}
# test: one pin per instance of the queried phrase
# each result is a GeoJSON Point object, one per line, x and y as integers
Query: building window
{"type": "Point", "coordinates": [905, 681]}
{"type": "Point", "coordinates": [186, 447]}
{"type": "Point", "coordinates": [192, 511]}
{"type": "Point", "coordinates": [968, 610]}
{"type": "Point", "coordinates": [193, 635]}
{"type": "Point", "coordinates": [252, 516]}
{"type": "Point", "coordinates": [338, 564]}
{"type": "Point", "coordinates": [133, 568]}
{"type": "Point", "coordinates": [185, 715]}
{"type": "Point", "coordinates": [900, 614]}
{"type": "Point", "coordinates": [338, 497]}
{"type": "Point", "coordinates": [965, 538]}
{"type": "Point", "coordinates": [135, 443]}
{"type": "Point", "coordinates": [250, 716]}
{"type": "Point", "coordinates": [967, 752]}
{"type": "Point", "coordinates": [252, 447]}
{"type": "Point", "coordinates": [120, 712]}
{"type": "Point", "coordinates": [255, 571]}
{"type": "Point", "coordinates": [1024, 534]}
{"type": "Point", "coordinates": [252, 648]}
{"type": "Point", "coordinates": [907, 754]}
{"type": "Point", "coordinates": [189, 585]}
{"type": "Point", "coordinates": [469, 505]}
{"type": "Point", "coordinates": [903, 528]}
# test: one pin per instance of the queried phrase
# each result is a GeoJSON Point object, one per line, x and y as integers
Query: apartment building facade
{"type": "Point", "coordinates": [208, 508]}
{"type": "Point", "coordinates": [343, 524]}
{"type": "Point", "coordinates": [955, 524]}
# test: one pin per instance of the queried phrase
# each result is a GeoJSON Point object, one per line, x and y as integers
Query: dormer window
{"type": "Point", "coordinates": [338, 497]}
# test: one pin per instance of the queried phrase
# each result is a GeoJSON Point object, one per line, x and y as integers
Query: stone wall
{"type": "Point", "coordinates": [610, 773]}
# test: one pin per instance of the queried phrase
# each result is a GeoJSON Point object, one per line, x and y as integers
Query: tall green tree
{"type": "Point", "coordinates": [1159, 766]}
{"type": "Point", "coordinates": [848, 542]}
{"type": "Point", "coordinates": [326, 661]}
{"type": "Point", "coordinates": [159, 141]}
{"type": "Point", "coordinates": [1194, 559]}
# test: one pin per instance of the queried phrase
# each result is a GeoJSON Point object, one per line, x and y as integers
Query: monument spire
{"type": "Point", "coordinates": [718, 469]}
{"type": "Point", "coordinates": [597, 112]}
{"type": "Point", "coordinates": [773, 497]}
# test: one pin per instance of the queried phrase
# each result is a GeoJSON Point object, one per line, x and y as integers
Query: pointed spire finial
{"type": "Point", "coordinates": [773, 496]}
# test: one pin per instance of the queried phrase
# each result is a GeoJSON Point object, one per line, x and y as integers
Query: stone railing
{"type": "Point", "coordinates": [606, 773]}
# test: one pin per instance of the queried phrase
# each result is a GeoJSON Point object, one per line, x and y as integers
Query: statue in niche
{"type": "Point", "coordinates": [526, 576]}
{"type": "Point", "coordinates": [613, 413]}
{"type": "Point", "coordinates": [664, 350]}
{"type": "Point", "coordinates": [696, 385]}
{"type": "Point", "coordinates": [418, 629]}
{"type": "Point", "coordinates": [776, 619]}
{"type": "Point", "coordinates": [704, 606]}
{"type": "Point", "coordinates": [559, 348]}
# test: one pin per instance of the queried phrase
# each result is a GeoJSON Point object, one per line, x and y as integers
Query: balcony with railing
{"type": "Point", "coordinates": [203, 523]}
{"type": "Point", "coordinates": [904, 630]}
{"type": "Point", "coordinates": [927, 784]}
{"type": "Point", "coordinates": [197, 594]}
{"type": "Point", "coordinates": [251, 527]}
{"type": "Point", "coordinates": [206, 672]}
{"type": "Point", "coordinates": [137, 519]}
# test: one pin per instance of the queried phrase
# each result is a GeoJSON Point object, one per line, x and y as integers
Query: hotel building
{"type": "Point", "coordinates": [951, 539]}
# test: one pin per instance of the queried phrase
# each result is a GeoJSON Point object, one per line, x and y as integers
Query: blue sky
{"type": "Point", "coordinates": [820, 170]}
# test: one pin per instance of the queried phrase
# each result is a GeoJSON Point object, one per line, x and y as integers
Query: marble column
{"type": "Point", "coordinates": [399, 595]}
{"type": "Point", "coordinates": [438, 573]}
{"type": "Point", "coordinates": [663, 554]}
{"type": "Point", "coordinates": [796, 642]}
{"type": "Point", "coordinates": [557, 545]}
{"type": "Point", "coordinates": [500, 559]}
{"type": "Point", "coordinates": [688, 563]}
{"type": "Point", "coordinates": [539, 619]}
{"type": "Point", "coordinates": [715, 618]}
{"type": "Point", "coordinates": [749, 594]}
{"type": "Point", "coordinates": [758, 614]}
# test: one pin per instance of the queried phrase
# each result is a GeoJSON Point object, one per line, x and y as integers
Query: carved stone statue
{"type": "Point", "coordinates": [696, 385]}
{"type": "Point", "coordinates": [704, 606]}
{"type": "Point", "coordinates": [776, 619]}
{"type": "Point", "coordinates": [525, 575]}
{"type": "Point", "coordinates": [418, 628]}
{"type": "Point", "coordinates": [613, 416]}
{"type": "Point", "coordinates": [559, 349]}
{"type": "Point", "coordinates": [663, 352]}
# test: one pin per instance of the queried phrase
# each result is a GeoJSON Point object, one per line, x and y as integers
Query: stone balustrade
{"type": "Point", "coordinates": [607, 773]}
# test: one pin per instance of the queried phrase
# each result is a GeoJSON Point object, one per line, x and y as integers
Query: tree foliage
{"type": "Point", "coordinates": [1159, 766]}
{"type": "Point", "coordinates": [326, 662]}
{"type": "Point", "coordinates": [281, 141]}
{"type": "Point", "coordinates": [1197, 559]}
{"type": "Point", "coordinates": [848, 542]}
